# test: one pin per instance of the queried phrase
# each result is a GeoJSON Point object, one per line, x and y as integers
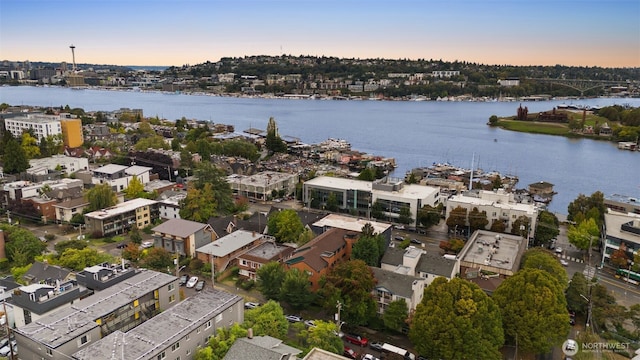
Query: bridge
{"type": "Point", "coordinates": [579, 84]}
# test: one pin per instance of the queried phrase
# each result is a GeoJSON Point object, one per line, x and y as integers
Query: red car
{"type": "Point", "coordinates": [348, 352]}
{"type": "Point", "coordinates": [356, 339]}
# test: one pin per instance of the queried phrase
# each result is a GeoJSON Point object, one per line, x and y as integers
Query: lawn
{"type": "Point", "coordinates": [535, 127]}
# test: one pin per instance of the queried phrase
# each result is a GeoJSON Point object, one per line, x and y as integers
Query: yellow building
{"type": "Point", "coordinates": [72, 132]}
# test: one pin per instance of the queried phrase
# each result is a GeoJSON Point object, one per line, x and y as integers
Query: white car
{"type": "Point", "coordinates": [147, 244]}
{"type": "Point", "coordinates": [559, 250]}
{"type": "Point", "coordinates": [310, 323]}
{"type": "Point", "coordinates": [192, 282]}
{"type": "Point", "coordinates": [369, 357]}
{"type": "Point", "coordinates": [251, 305]}
{"type": "Point", "coordinates": [564, 262]}
{"type": "Point", "coordinates": [293, 318]}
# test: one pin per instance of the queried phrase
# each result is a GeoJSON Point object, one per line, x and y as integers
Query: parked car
{"type": "Point", "coordinates": [415, 241]}
{"type": "Point", "coordinates": [348, 352]}
{"type": "Point", "coordinates": [398, 238]}
{"type": "Point", "coordinates": [369, 357]}
{"type": "Point", "coordinates": [192, 281]}
{"type": "Point", "coordinates": [251, 305]}
{"type": "Point", "coordinates": [183, 279]}
{"type": "Point", "coordinates": [200, 285]}
{"type": "Point", "coordinates": [122, 245]}
{"type": "Point", "coordinates": [293, 318]}
{"type": "Point", "coordinates": [356, 339]}
{"type": "Point", "coordinates": [559, 250]}
{"type": "Point", "coordinates": [147, 244]}
{"type": "Point", "coordinates": [310, 323]}
{"type": "Point", "coordinates": [375, 345]}
{"type": "Point", "coordinates": [564, 262]}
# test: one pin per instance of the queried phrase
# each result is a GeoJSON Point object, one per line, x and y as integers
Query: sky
{"type": "Point", "coordinates": [603, 33]}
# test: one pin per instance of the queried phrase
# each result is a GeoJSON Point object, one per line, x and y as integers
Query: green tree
{"type": "Point", "coordinates": [51, 145]}
{"type": "Point", "coordinates": [79, 259]}
{"type": "Point", "coordinates": [377, 210]}
{"type": "Point", "coordinates": [100, 197]}
{"type": "Point", "coordinates": [158, 259]}
{"type": "Point", "coordinates": [478, 220]}
{"type": "Point", "coordinates": [208, 173]}
{"type": "Point", "coordinates": [350, 283]}
{"type": "Point", "coordinates": [493, 120]}
{"type": "Point", "coordinates": [457, 218]}
{"type": "Point", "coordinates": [152, 142]}
{"type": "Point", "coordinates": [270, 277]}
{"type": "Point", "coordinates": [285, 226]}
{"type": "Point", "coordinates": [534, 309]}
{"type": "Point", "coordinates": [21, 245]}
{"type": "Point", "coordinates": [367, 174]}
{"type": "Point", "coordinates": [405, 215]}
{"type": "Point", "coordinates": [367, 250]}
{"type": "Point", "coordinates": [30, 145]}
{"type": "Point", "coordinates": [267, 319]}
{"type": "Point", "coordinates": [134, 189]}
{"type": "Point", "coordinates": [457, 320]}
{"type": "Point", "coordinates": [539, 258]}
{"type": "Point", "coordinates": [575, 292]}
{"type": "Point", "coordinates": [498, 226]}
{"type": "Point", "coordinates": [583, 205]}
{"type": "Point", "coordinates": [220, 344]}
{"type": "Point", "coordinates": [62, 246]}
{"type": "Point", "coordinates": [428, 216]}
{"type": "Point", "coordinates": [323, 336]}
{"type": "Point", "coordinates": [199, 204]}
{"type": "Point", "coordinates": [521, 226]}
{"type": "Point", "coordinates": [15, 159]}
{"type": "Point", "coordinates": [395, 315]}
{"type": "Point", "coordinates": [296, 289]}
{"type": "Point", "coordinates": [584, 234]}
{"type": "Point", "coordinates": [134, 235]}
{"type": "Point", "coordinates": [273, 142]}
{"type": "Point", "coordinates": [547, 228]}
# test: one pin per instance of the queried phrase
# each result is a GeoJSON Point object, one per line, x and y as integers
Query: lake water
{"type": "Point", "coordinates": [414, 133]}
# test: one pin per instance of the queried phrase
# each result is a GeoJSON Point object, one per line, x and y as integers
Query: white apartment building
{"type": "Point", "coordinates": [499, 205]}
{"type": "Point", "coordinates": [445, 73]}
{"type": "Point", "coordinates": [66, 164]}
{"type": "Point", "coordinates": [622, 231]}
{"type": "Point", "coordinates": [118, 176]}
{"type": "Point", "coordinates": [42, 125]}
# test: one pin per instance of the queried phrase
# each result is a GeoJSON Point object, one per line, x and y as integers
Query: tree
{"type": "Point", "coordinates": [296, 289]}
{"type": "Point", "coordinates": [158, 259]}
{"type": "Point", "coordinates": [220, 344]}
{"type": "Point", "coordinates": [493, 120]}
{"type": "Point", "coordinates": [395, 315]}
{"type": "Point", "coordinates": [62, 246]}
{"type": "Point", "coordinates": [134, 189]}
{"type": "Point", "coordinates": [79, 259]}
{"type": "Point", "coordinates": [583, 205]}
{"type": "Point", "coordinates": [273, 142]}
{"type": "Point", "coordinates": [15, 159]}
{"type": "Point", "coordinates": [367, 174]}
{"type": "Point", "coordinates": [285, 225]}
{"type": "Point", "coordinates": [456, 320]}
{"type": "Point", "coordinates": [267, 319]}
{"type": "Point", "coordinates": [457, 218]}
{"type": "Point", "coordinates": [547, 228]}
{"type": "Point", "coordinates": [100, 197]}
{"type": "Point", "coordinates": [477, 220]}
{"type": "Point", "coordinates": [30, 145]}
{"type": "Point", "coordinates": [270, 277]}
{"type": "Point", "coordinates": [405, 215]}
{"type": "Point", "coordinates": [539, 258]}
{"type": "Point", "coordinates": [132, 252]}
{"type": "Point", "coordinates": [367, 250]}
{"type": "Point", "coordinates": [582, 235]}
{"type": "Point", "coordinates": [534, 309]}
{"type": "Point", "coordinates": [51, 145]}
{"type": "Point", "coordinates": [134, 235]}
{"type": "Point", "coordinates": [498, 226]}
{"type": "Point", "coordinates": [21, 245]}
{"type": "Point", "coordinates": [323, 336]}
{"type": "Point", "coordinates": [619, 258]}
{"type": "Point", "coordinates": [332, 202]}
{"type": "Point", "coordinates": [521, 226]}
{"type": "Point", "coordinates": [199, 204]}
{"type": "Point", "coordinates": [428, 216]}
{"type": "Point", "coordinates": [350, 283]}
{"type": "Point", "coordinates": [208, 173]}
{"type": "Point", "coordinates": [377, 210]}
{"type": "Point", "coordinates": [575, 292]}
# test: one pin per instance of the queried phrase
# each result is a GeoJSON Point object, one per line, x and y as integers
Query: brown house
{"type": "Point", "coordinates": [321, 254]}
{"type": "Point", "coordinates": [250, 261]}
{"type": "Point", "coordinates": [224, 251]}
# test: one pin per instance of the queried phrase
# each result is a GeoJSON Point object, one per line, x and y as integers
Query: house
{"type": "Point", "coordinates": [64, 211]}
{"type": "Point", "coordinates": [321, 254]}
{"type": "Point", "coordinates": [122, 306]}
{"type": "Point", "coordinates": [224, 251]}
{"type": "Point", "coordinates": [541, 188]}
{"type": "Point", "coordinates": [100, 277]}
{"type": "Point", "coordinates": [169, 206]}
{"type": "Point", "coordinates": [121, 217]}
{"type": "Point", "coordinates": [182, 237]}
{"type": "Point", "coordinates": [261, 347]}
{"type": "Point", "coordinates": [352, 224]}
{"type": "Point", "coordinates": [118, 176]}
{"type": "Point", "coordinates": [176, 333]}
{"type": "Point", "coordinates": [250, 261]}
{"type": "Point", "coordinates": [419, 263]}
{"type": "Point", "coordinates": [41, 272]}
{"type": "Point", "coordinates": [392, 286]}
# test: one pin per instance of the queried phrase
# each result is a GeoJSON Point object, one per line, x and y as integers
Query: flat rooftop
{"type": "Point", "coordinates": [67, 324]}
{"type": "Point", "coordinates": [350, 223]}
{"type": "Point", "coordinates": [230, 243]}
{"type": "Point", "coordinates": [163, 330]}
{"type": "Point", "coordinates": [340, 183]}
{"type": "Point", "coordinates": [493, 251]}
{"type": "Point", "coordinates": [261, 179]}
{"type": "Point", "coordinates": [120, 208]}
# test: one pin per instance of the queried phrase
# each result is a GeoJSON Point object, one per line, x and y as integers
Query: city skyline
{"type": "Point", "coordinates": [169, 32]}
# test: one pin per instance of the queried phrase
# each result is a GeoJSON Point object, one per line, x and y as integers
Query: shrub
{"type": "Point", "coordinates": [50, 237]}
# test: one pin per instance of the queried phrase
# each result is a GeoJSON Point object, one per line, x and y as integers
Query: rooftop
{"type": "Point", "coordinates": [120, 208]}
{"type": "Point", "coordinates": [110, 169]}
{"type": "Point", "coordinates": [340, 183]}
{"type": "Point", "coordinates": [179, 227]}
{"type": "Point", "coordinates": [395, 283]}
{"type": "Point", "coordinates": [229, 243]}
{"type": "Point", "coordinates": [493, 251]}
{"type": "Point", "coordinates": [350, 223]}
{"type": "Point", "coordinates": [259, 348]}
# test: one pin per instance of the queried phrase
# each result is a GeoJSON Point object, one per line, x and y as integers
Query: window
{"type": "Point", "coordinates": [84, 339]}
{"type": "Point", "coordinates": [187, 337]}
{"type": "Point", "coordinates": [175, 346]}
{"type": "Point", "coordinates": [219, 318]}
{"type": "Point", "coordinates": [161, 356]}
{"type": "Point", "coordinates": [170, 287]}
{"type": "Point", "coordinates": [172, 298]}
{"type": "Point", "coordinates": [49, 352]}
{"type": "Point", "coordinates": [208, 324]}
{"type": "Point", "coordinates": [188, 352]}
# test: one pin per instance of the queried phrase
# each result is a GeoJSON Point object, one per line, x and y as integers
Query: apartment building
{"type": "Point", "coordinates": [72, 132]}
{"type": "Point", "coordinates": [622, 231]}
{"type": "Point", "coordinates": [176, 333]}
{"type": "Point", "coordinates": [122, 307]}
{"type": "Point", "coordinates": [224, 251]}
{"type": "Point", "coordinates": [183, 237]}
{"type": "Point", "coordinates": [118, 176]}
{"type": "Point", "coordinates": [392, 286]}
{"type": "Point", "coordinates": [65, 164]}
{"type": "Point", "coordinates": [40, 124]}
{"type": "Point", "coordinates": [121, 217]}
{"type": "Point", "coordinates": [261, 186]}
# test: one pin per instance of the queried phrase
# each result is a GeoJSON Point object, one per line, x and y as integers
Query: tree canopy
{"type": "Point", "coordinates": [457, 320]}
{"type": "Point", "coordinates": [534, 309]}
{"type": "Point", "coordinates": [100, 197]}
{"type": "Point", "coordinates": [208, 173]}
{"type": "Point", "coordinates": [478, 220]}
{"type": "Point", "coordinates": [21, 245]}
{"type": "Point", "coordinates": [395, 315]}
{"type": "Point", "coordinates": [296, 289]}
{"type": "Point", "coordinates": [15, 159]}
{"type": "Point", "coordinates": [285, 225]}
{"type": "Point", "coordinates": [584, 234]}
{"type": "Point", "coordinates": [428, 216]}
{"type": "Point", "coordinates": [539, 258]}
{"type": "Point", "coordinates": [267, 319]}
{"type": "Point", "coordinates": [273, 142]}
{"type": "Point", "coordinates": [270, 277]}
{"type": "Point", "coordinates": [584, 207]}
{"type": "Point", "coordinates": [547, 228]}
{"type": "Point", "coordinates": [457, 218]}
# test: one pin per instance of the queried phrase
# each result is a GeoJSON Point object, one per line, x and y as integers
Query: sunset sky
{"type": "Point", "coordinates": [171, 32]}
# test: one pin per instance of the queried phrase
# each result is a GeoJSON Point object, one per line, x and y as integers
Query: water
{"type": "Point", "coordinates": [414, 133]}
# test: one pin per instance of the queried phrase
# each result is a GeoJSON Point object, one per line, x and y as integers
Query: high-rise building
{"type": "Point", "coordinates": [72, 132]}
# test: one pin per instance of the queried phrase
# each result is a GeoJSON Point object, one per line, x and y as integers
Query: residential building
{"type": "Point", "coordinates": [261, 186]}
{"type": "Point", "coordinates": [250, 261]}
{"type": "Point", "coordinates": [176, 333]}
{"type": "Point", "coordinates": [18, 190]}
{"type": "Point", "coordinates": [622, 231]}
{"type": "Point", "coordinates": [358, 196]}
{"type": "Point", "coordinates": [445, 73]}
{"type": "Point", "coordinates": [183, 237]}
{"type": "Point", "coordinates": [392, 286]}
{"type": "Point", "coordinates": [122, 306]}
{"type": "Point", "coordinates": [102, 276]}
{"type": "Point", "coordinates": [224, 251]}
{"type": "Point", "coordinates": [170, 206]}
{"type": "Point", "coordinates": [352, 224]}
{"type": "Point", "coordinates": [488, 254]}
{"type": "Point", "coordinates": [72, 132]}
{"type": "Point", "coordinates": [416, 262]}
{"type": "Point", "coordinates": [622, 203]}
{"type": "Point", "coordinates": [321, 254]}
{"type": "Point", "coordinates": [32, 302]}
{"type": "Point", "coordinates": [64, 211]}
{"type": "Point", "coordinates": [508, 82]}
{"type": "Point", "coordinates": [121, 217]}
{"type": "Point", "coordinates": [66, 164]}
{"type": "Point", "coordinates": [118, 176]}
{"type": "Point", "coordinates": [40, 124]}
{"type": "Point", "coordinates": [261, 347]}
{"type": "Point", "coordinates": [498, 205]}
